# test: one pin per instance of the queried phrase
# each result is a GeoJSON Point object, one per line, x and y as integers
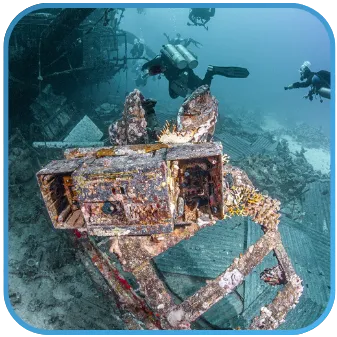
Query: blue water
{"type": "Point", "coordinates": [271, 43]}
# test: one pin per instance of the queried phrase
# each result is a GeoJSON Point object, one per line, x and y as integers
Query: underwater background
{"type": "Point", "coordinates": [271, 43]}
{"type": "Point", "coordinates": [279, 138]}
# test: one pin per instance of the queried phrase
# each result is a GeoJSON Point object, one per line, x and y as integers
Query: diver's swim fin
{"type": "Point", "coordinates": [233, 72]}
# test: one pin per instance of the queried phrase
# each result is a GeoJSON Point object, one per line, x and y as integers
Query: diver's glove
{"type": "Point", "coordinates": [289, 87]}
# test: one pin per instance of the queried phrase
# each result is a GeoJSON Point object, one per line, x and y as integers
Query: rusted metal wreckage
{"type": "Point", "coordinates": [52, 53]}
{"type": "Point", "coordinates": [136, 201]}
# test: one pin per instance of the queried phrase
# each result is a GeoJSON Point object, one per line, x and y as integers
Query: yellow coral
{"type": "Point", "coordinates": [255, 198]}
{"type": "Point", "coordinates": [230, 211]}
{"type": "Point", "coordinates": [241, 211]}
{"type": "Point", "coordinates": [225, 159]}
{"type": "Point", "coordinates": [248, 201]}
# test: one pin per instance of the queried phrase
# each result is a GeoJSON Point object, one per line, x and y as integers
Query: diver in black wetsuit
{"type": "Point", "coordinates": [200, 16]}
{"type": "Point", "coordinates": [179, 40]}
{"type": "Point", "coordinates": [176, 63]}
{"type": "Point", "coordinates": [319, 82]}
{"type": "Point", "coordinates": [138, 49]}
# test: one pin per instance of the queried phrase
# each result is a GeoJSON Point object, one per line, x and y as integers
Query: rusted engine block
{"type": "Point", "coordinates": [137, 201]}
{"type": "Point", "coordinates": [141, 190]}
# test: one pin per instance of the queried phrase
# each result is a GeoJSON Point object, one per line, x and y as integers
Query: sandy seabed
{"type": "Point", "coordinates": [319, 158]}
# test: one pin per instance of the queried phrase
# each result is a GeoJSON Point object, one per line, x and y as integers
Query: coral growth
{"type": "Point", "coordinates": [161, 196]}
{"type": "Point", "coordinates": [246, 201]}
{"type": "Point", "coordinates": [131, 129]}
{"type": "Point", "coordinates": [196, 119]}
{"type": "Point", "coordinates": [139, 123]}
{"type": "Point", "coordinates": [241, 198]}
{"type": "Point", "coordinates": [170, 135]}
{"type": "Point", "coordinates": [274, 314]}
{"type": "Point", "coordinates": [273, 276]}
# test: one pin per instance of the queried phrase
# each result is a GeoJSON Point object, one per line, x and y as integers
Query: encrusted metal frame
{"type": "Point", "coordinates": [147, 304]}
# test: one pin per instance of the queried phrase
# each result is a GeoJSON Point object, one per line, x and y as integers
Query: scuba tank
{"type": "Point", "coordinates": [179, 56]}
{"type": "Point", "coordinates": [324, 92]}
{"type": "Point", "coordinates": [191, 60]}
{"type": "Point", "coordinates": [174, 56]}
{"type": "Point", "coordinates": [320, 85]}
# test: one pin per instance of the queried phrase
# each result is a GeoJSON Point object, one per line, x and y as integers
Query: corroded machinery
{"type": "Point", "coordinates": [137, 201]}
{"type": "Point", "coordinates": [135, 189]}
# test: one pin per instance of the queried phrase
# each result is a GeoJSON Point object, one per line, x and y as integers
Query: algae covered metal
{"type": "Point", "coordinates": [134, 202]}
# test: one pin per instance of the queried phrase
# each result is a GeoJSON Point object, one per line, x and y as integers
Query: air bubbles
{"type": "Point", "coordinates": [173, 18]}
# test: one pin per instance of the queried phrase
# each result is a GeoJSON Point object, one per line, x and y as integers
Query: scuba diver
{"type": "Point", "coordinates": [138, 52]}
{"type": "Point", "coordinates": [179, 40]}
{"type": "Point", "coordinates": [176, 63]}
{"type": "Point", "coordinates": [141, 11]}
{"type": "Point", "coordinates": [200, 16]}
{"type": "Point", "coordinates": [141, 78]}
{"type": "Point", "coordinates": [319, 82]}
{"type": "Point", "coordinates": [138, 48]}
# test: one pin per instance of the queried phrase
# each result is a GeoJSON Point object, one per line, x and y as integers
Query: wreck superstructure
{"type": "Point", "coordinates": [134, 202]}
{"type": "Point", "coordinates": [76, 42]}
{"type": "Point", "coordinates": [62, 48]}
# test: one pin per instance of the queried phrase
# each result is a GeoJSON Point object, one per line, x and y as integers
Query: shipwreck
{"type": "Point", "coordinates": [130, 202]}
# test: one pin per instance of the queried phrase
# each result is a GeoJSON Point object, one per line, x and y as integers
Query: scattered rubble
{"type": "Point", "coordinates": [53, 115]}
{"type": "Point", "coordinates": [21, 168]}
{"type": "Point", "coordinates": [107, 110]}
{"type": "Point", "coordinates": [291, 174]}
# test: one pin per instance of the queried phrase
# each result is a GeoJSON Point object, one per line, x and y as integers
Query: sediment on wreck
{"type": "Point", "coordinates": [146, 199]}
